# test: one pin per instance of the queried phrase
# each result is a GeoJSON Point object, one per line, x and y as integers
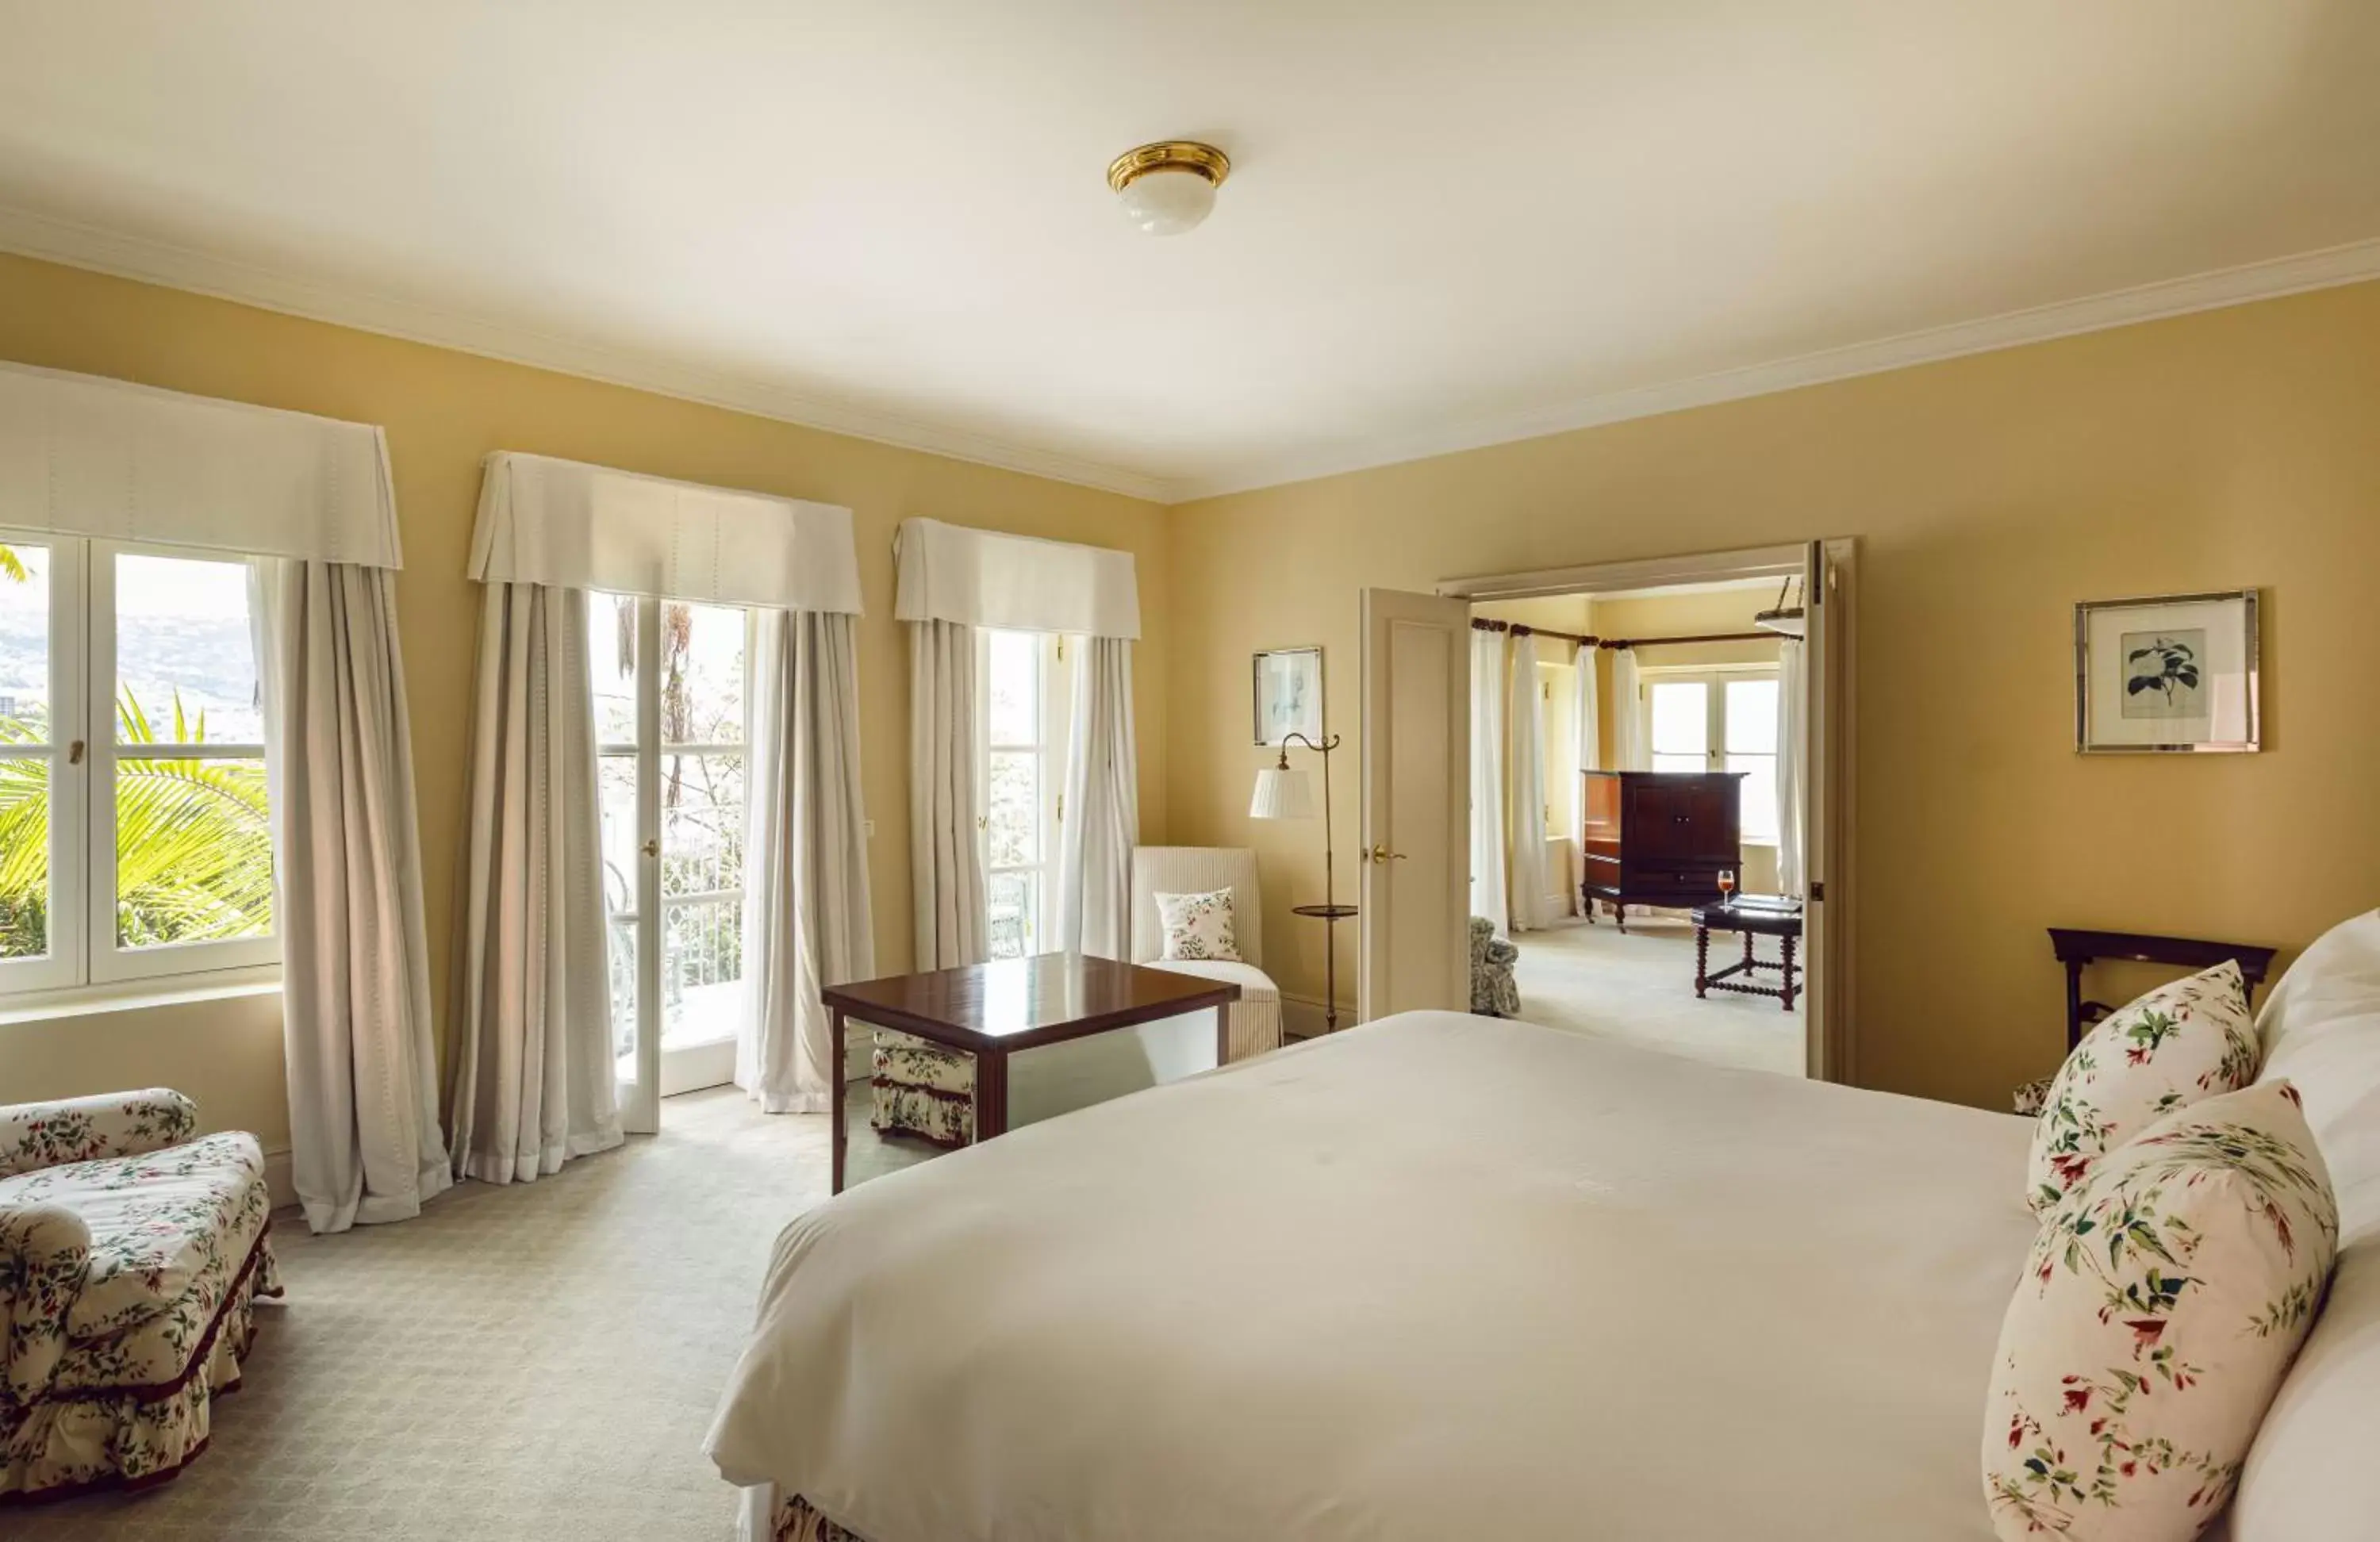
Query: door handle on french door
{"type": "Point", "coordinates": [1382, 854]}
{"type": "Point", "coordinates": [653, 848]}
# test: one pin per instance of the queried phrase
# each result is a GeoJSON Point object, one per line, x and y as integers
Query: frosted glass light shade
{"type": "Point", "coordinates": [1166, 201]}
{"type": "Point", "coordinates": [1282, 794]}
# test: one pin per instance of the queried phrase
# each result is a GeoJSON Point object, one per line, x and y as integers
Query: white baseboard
{"type": "Point", "coordinates": [1303, 1018]}
{"type": "Point", "coordinates": [279, 1179]}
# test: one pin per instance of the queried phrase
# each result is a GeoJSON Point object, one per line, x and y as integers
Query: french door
{"type": "Point", "coordinates": [671, 730]}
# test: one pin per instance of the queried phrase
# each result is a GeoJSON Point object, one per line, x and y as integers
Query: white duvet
{"type": "Point", "coordinates": [1437, 1277]}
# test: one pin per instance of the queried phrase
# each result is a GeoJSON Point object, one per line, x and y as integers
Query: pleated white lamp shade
{"type": "Point", "coordinates": [1283, 793]}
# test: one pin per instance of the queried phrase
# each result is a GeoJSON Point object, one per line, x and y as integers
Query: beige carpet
{"type": "Point", "coordinates": [530, 1362]}
{"type": "Point", "coordinates": [1641, 988]}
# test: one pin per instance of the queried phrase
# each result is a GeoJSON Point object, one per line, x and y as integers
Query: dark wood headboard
{"type": "Point", "coordinates": [2077, 948]}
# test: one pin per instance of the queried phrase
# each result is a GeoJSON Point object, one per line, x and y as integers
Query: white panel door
{"type": "Point", "coordinates": [1826, 764]}
{"type": "Point", "coordinates": [1416, 945]}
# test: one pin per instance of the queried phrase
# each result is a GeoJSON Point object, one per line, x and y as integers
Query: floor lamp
{"type": "Point", "coordinates": [1282, 793]}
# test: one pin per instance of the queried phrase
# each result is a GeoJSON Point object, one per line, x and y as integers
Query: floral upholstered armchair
{"type": "Point", "coordinates": [131, 1254]}
{"type": "Point", "coordinates": [1494, 992]}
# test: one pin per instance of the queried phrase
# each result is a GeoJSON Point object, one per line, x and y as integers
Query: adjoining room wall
{"type": "Point", "coordinates": [2227, 449]}
{"type": "Point", "coordinates": [445, 411]}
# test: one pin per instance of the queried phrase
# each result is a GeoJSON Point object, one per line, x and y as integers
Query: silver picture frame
{"type": "Point", "coordinates": [1286, 687]}
{"type": "Point", "coordinates": [2169, 674]}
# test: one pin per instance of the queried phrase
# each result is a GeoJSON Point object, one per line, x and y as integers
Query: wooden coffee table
{"type": "Point", "coordinates": [992, 1010]}
{"type": "Point", "coordinates": [1754, 916]}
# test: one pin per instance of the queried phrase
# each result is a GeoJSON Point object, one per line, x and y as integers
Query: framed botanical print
{"type": "Point", "coordinates": [2175, 673]}
{"type": "Point", "coordinates": [1288, 694]}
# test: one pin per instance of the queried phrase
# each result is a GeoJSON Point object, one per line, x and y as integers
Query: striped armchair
{"type": "Point", "coordinates": [1255, 1021]}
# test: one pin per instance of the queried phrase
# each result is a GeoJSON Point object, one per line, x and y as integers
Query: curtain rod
{"type": "Point", "coordinates": [1518, 629]}
{"type": "Point", "coordinates": [1708, 636]}
{"type": "Point", "coordinates": [1480, 624]}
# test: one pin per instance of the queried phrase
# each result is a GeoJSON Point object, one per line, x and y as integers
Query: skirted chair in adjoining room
{"type": "Point", "coordinates": [131, 1257]}
{"type": "Point", "coordinates": [921, 1089]}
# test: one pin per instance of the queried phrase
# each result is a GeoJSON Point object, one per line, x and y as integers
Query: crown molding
{"type": "Point", "coordinates": [80, 246]}
{"type": "Point", "coordinates": [2324, 269]}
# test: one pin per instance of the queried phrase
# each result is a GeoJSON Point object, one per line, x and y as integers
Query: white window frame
{"type": "Point", "coordinates": [83, 958]}
{"type": "Point", "coordinates": [1714, 679]}
{"type": "Point", "coordinates": [1053, 694]}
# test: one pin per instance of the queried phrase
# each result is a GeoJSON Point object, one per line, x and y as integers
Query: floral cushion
{"type": "Point", "coordinates": [157, 1222]}
{"type": "Point", "coordinates": [920, 1088]}
{"type": "Point", "coordinates": [2161, 1305]}
{"type": "Point", "coordinates": [1198, 925]}
{"type": "Point", "coordinates": [2180, 1043]}
{"type": "Point", "coordinates": [35, 1136]}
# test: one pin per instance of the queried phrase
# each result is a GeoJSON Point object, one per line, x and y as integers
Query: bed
{"type": "Point", "coordinates": [1439, 1275]}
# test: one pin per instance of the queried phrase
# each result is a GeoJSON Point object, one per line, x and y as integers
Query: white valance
{"type": "Point", "coordinates": [557, 522]}
{"type": "Point", "coordinates": [84, 455]}
{"type": "Point", "coordinates": [991, 579]}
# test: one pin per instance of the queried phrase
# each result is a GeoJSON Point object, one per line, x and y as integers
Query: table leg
{"type": "Point", "coordinates": [1788, 972]}
{"type": "Point", "coordinates": [1702, 961]}
{"type": "Point", "coordinates": [991, 1094]}
{"type": "Point", "coordinates": [836, 1091]}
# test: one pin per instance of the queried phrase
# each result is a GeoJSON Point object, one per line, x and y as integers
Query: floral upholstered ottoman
{"type": "Point", "coordinates": [131, 1257]}
{"type": "Point", "coordinates": [919, 1089]}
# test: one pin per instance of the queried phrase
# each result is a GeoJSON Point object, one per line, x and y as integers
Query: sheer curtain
{"type": "Point", "coordinates": [806, 922]}
{"type": "Point", "coordinates": [355, 966]}
{"type": "Point", "coordinates": [1792, 731]}
{"type": "Point", "coordinates": [945, 864]}
{"type": "Point", "coordinates": [534, 1081]}
{"type": "Point", "coordinates": [1628, 726]}
{"type": "Point", "coordinates": [1487, 777]}
{"type": "Point", "coordinates": [1102, 822]}
{"type": "Point", "coordinates": [1525, 784]}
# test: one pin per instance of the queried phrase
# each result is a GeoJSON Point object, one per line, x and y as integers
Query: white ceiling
{"type": "Point", "coordinates": [1448, 224]}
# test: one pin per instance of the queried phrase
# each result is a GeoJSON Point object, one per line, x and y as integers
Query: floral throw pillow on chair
{"type": "Point", "coordinates": [2161, 1308]}
{"type": "Point", "coordinates": [2191, 1039]}
{"type": "Point", "coordinates": [1198, 925]}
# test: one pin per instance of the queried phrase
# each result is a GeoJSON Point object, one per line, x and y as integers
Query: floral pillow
{"type": "Point", "coordinates": [2180, 1043]}
{"type": "Point", "coordinates": [1198, 925]}
{"type": "Point", "coordinates": [2161, 1305]}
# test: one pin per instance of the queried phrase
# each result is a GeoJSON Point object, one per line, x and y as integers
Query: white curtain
{"type": "Point", "coordinates": [1102, 813]}
{"type": "Point", "coordinates": [1525, 787]}
{"type": "Point", "coordinates": [1590, 758]}
{"type": "Point", "coordinates": [1628, 727]}
{"type": "Point", "coordinates": [534, 1078]}
{"type": "Point", "coordinates": [1487, 777]}
{"type": "Point", "coordinates": [805, 906]}
{"type": "Point", "coordinates": [1794, 716]}
{"type": "Point", "coordinates": [945, 864]}
{"type": "Point", "coordinates": [355, 963]}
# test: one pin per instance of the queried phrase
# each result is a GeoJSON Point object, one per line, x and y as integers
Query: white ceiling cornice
{"type": "Point", "coordinates": [174, 267]}
{"type": "Point", "coordinates": [2328, 268]}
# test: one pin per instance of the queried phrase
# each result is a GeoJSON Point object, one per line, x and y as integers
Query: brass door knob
{"type": "Point", "coordinates": [653, 848]}
{"type": "Point", "coordinates": [1382, 854]}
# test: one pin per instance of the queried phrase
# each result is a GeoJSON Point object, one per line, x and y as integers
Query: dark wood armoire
{"type": "Point", "coordinates": [1660, 838]}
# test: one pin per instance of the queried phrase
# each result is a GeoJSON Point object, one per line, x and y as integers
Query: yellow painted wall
{"type": "Point", "coordinates": [2232, 448]}
{"type": "Point", "coordinates": [443, 411]}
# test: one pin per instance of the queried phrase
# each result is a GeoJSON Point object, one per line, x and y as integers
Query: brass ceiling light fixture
{"type": "Point", "coordinates": [1168, 188]}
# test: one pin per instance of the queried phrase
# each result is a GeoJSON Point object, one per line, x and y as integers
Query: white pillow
{"type": "Point", "coordinates": [2311, 1477]}
{"type": "Point", "coordinates": [2159, 1309]}
{"type": "Point", "coordinates": [1198, 925]}
{"type": "Point", "coordinates": [2180, 1043]}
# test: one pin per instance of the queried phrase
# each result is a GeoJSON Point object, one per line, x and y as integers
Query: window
{"type": "Point", "coordinates": [670, 728]}
{"type": "Point", "coordinates": [1023, 720]}
{"type": "Point", "coordinates": [134, 836]}
{"type": "Point", "coordinates": [1719, 719]}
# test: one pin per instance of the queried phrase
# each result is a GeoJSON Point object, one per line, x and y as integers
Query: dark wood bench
{"type": "Point", "coordinates": [2077, 949]}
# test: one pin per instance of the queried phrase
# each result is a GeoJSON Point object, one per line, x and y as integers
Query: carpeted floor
{"type": "Point", "coordinates": [532, 1362]}
{"type": "Point", "coordinates": [1641, 988]}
